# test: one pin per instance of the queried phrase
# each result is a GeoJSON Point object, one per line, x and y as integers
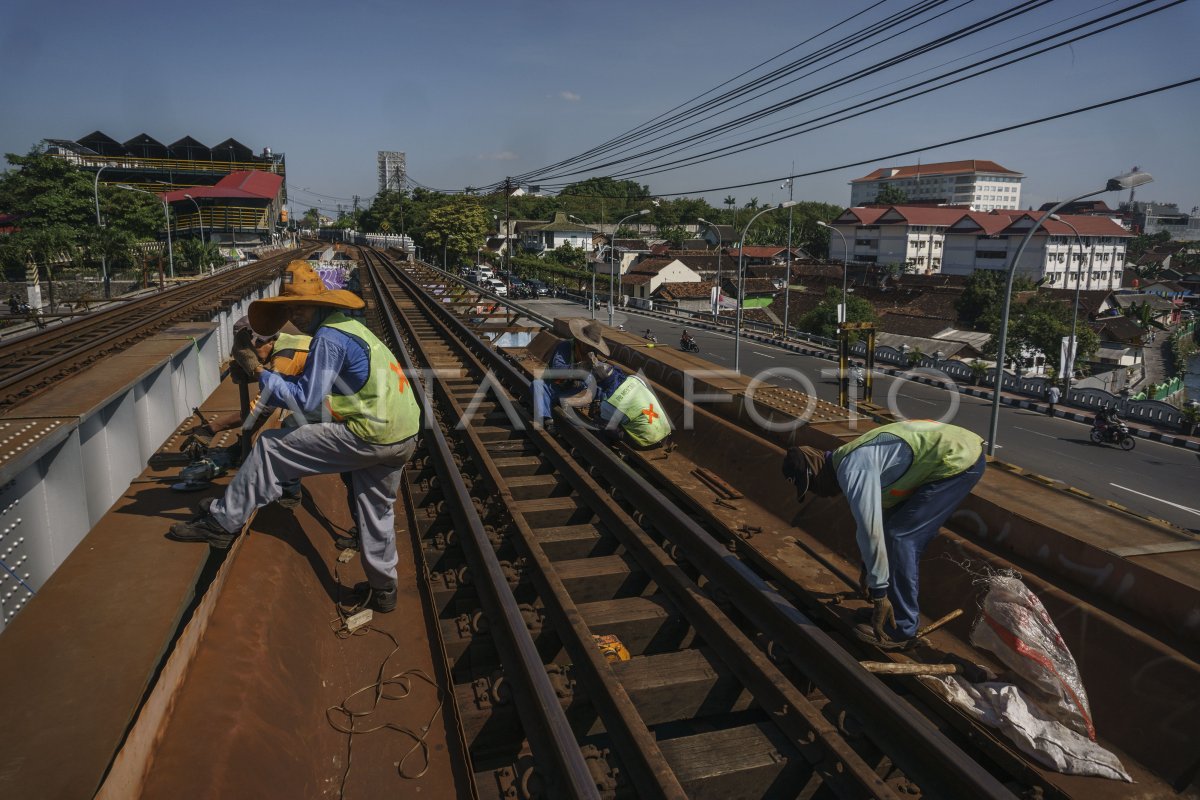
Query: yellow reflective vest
{"type": "Point", "coordinates": [939, 451]}
{"type": "Point", "coordinates": [385, 410]}
{"type": "Point", "coordinates": [645, 421]}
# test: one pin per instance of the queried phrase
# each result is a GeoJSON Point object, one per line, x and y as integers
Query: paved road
{"type": "Point", "coordinates": [1156, 479]}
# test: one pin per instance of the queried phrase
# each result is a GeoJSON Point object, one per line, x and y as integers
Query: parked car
{"type": "Point", "coordinates": [495, 286]}
{"type": "Point", "coordinates": [540, 288]}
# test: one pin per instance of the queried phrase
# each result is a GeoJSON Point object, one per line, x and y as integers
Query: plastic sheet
{"type": "Point", "coordinates": [1009, 710]}
{"type": "Point", "coordinates": [1015, 626]}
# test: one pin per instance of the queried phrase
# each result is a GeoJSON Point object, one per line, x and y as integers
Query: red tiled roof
{"type": "Point", "coordinates": [758, 251]}
{"type": "Point", "coordinates": [866, 215]}
{"type": "Point", "coordinates": [252, 184]}
{"type": "Point", "coordinates": [922, 215]}
{"type": "Point", "coordinates": [682, 291]}
{"type": "Point", "coordinates": [1085, 224]}
{"type": "Point", "coordinates": [938, 168]}
{"type": "Point", "coordinates": [636, 278]}
{"type": "Point", "coordinates": [650, 266]}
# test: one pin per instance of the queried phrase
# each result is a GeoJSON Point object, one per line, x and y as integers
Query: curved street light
{"type": "Point", "coordinates": [717, 231]}
{"type": "Point", "coordinates": [1070, 365]}
{"type": "Point", "coordinates": [737, 325]}
{"type": "Point", "coordinates": [592, 299]}
{"type": "Point", "coordinates": [613, 262]}
{"type": "Point", "coordinates": [166, 216]}
{"type": "Point", "coordinates": [1127, 181]}
{"type": "Point", "coordinates": [100, 224]}
{"type": "Point", "coordinates": [844, 311]}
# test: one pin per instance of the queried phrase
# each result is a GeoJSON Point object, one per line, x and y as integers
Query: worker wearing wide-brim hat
{"type": "Point", "coordinates": [369, 419]}
{"type": "Point", "coordinates": [902, 481]}
{"type": "Point", "coordinates": [586, 338]}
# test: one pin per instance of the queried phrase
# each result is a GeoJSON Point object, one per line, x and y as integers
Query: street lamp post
{"type": "Point", "coordinates": [200, 222]}
{"type": "Point", "coordinates": [717, 231]}
{"type": "Point", "coordinates": [844, 311]}
{"type": "Point", "coordinates": [741, 289]}
{"type": "Point", "coordinates": [613, 263]}
{"type": "Point", "coordinates": [787, 275]}
{"type": "Point", "coordinates": [1127, 181]}
{"type": "Point", "coordinates": [1070, 365]}
{"type": "Point", "coordinates": [100, 224]}
{"type": "Point", "coordinates": [166, 216]}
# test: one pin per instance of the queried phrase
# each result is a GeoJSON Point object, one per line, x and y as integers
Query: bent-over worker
{"type": "Point", "coordinates": [629, 409]}
{"type": "Point", "coordinates": [902, 482]}
{"type": "Point", "coordinates": [369, 427]}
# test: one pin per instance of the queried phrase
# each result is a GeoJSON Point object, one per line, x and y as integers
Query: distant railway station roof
{"type": "Point", "coordinates": [253, 185]}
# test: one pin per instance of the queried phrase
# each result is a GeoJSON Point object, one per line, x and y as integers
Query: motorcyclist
{"type": "Point", "coordinates": [649, 335]}
{"type": "Point", "coordinates": [1107, 421]}
{"type": "Point", "coordinates": [685, 339]}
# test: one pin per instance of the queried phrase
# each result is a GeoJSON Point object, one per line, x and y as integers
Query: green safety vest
{"type": "Point", "coordinates": [645, 421]}
{"type": "Point", "coordinates": [291, 341]}
{"type": "Point", "coordinates": [939, 451]}
{"type": "Point", "coordinates": [385, 409]}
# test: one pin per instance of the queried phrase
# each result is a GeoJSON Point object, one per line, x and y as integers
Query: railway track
{"type": "Point", "coordinates": [535, 546]}
{"type": "Point", "coordinates": [31, 363]}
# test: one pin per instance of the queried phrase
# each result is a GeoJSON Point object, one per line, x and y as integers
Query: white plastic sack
{"type": "Point", "coordinates": [1015, 626]}
{"type": "Point", "coordinates": [1005, 707]}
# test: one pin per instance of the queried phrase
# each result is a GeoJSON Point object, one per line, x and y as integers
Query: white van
{"type": "Point", "coordinates": [495, 286]}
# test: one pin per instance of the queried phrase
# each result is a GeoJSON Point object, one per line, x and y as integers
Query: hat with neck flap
{"type": "Point", "coordinates": [300, 285]}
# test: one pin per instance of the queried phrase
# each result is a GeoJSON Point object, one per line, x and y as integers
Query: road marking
{"type": "Point", "coordinates": [998, 447]}
{"type": "Point", "coordinates": [1159, 499]}
{"type": "Point", "coordinates": [764, 355]}
{"type": "Point", "coordinates": [1039, 433]}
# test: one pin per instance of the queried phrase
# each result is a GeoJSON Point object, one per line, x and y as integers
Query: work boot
{"type": "Point", "coordinates": [291, 499]}
{"type": "Point", "coordinates": [381, 600]}
{"type": "Point", "coordinates": [202, 529]}
{"type": "Point", "coordinates": [866, 633]}
{"type": "Point", "coordinates": [349, 541]}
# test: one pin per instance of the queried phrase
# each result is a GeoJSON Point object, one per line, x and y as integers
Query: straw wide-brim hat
{"type": "Point", "coordinates": [589, 332]}
{"type": "Point", "coordinates": [301, 285]}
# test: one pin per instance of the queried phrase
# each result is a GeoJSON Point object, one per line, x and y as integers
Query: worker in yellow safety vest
{"type": "Point", "coordinates": [629, 409]}
{"type": "Point", "coordinates": [368, 415]}
{"type": "Point", "coordinates": [902, 482]}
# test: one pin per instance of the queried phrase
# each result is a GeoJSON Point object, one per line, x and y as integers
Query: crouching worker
{"type": "Point", "coordinates": [370, 429]}
{"type": "Point", "coordinates": [902, 482]}
{"type": "Point", "coordinates": [628, 409]}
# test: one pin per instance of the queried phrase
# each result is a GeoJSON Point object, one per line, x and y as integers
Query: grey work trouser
{"type": "Point", "coordinates": [324, 448]}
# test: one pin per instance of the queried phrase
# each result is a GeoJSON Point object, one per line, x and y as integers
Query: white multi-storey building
{"type": "Point", "coordinates": [979, 185]}
{"type": "Point", "coordinates": [958, 242]}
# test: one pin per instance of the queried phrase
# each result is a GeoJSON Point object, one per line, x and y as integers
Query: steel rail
{"type": "Point", "coordinates": [636, 745]}
{"type": "Point", "coordinates": [815, 738]}
{"type": "Point", "coordinates": [145, 316]}
{"type": "Point", "coordinates": [918, 748]}
{"type": "Point", "coordinates": [546, 727]}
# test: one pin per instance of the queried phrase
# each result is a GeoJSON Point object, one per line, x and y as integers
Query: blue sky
{"type": "Point", "coordinates": [474, 91]}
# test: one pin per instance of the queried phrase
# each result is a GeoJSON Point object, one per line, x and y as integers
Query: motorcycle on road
{"type": "Point", "coordinates": [1112, 432]}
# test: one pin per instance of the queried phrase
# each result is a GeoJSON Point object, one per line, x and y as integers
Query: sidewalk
{"type": "Point", "coordinates": [1141, 430]}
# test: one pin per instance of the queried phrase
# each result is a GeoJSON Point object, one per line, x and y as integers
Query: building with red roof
{"type": "Point", "coordinates": [981, 185]}
{"type": "Point", "coordinates": [243, 208]}
{"type": "Point", "coordinates": [956, 241]}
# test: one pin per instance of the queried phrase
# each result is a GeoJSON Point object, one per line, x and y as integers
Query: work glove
{"type": "Point", "coordinates": [881, 615]}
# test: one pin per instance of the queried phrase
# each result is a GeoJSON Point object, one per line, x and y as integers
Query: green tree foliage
{"type": "Point", "coordinates": [311, 219]}
{"type": "Point", "coordinates": [822, 320]}
{"type": "Point", "coordinates": [55, 206]}
{"type": "Point", "coordinates": [1138, 246]}
{"type": "Point", "coordinates": [1038, 325]}
{"type": "Point", "coordinates": [567, 256]}
{"type": "Point", "coordinates": [891, 195]}
{"type": "Point", "coordinates": [460, 226]}
{"type": "Point", "coordinates": [982, 301]}
{"type": "Point", "coordinates": [198, 255]}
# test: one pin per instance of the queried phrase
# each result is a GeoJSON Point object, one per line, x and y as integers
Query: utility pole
{"type": "Point", "coordinates": [787, 275]}
{"type": "Point", "coordinates": [507, 228]}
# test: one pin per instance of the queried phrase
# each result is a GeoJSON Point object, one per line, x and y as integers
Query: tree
{"type": "Point", "coordinates": [731, 203]}
{"type": "Point", "coordinates": [568, 256]}
{"type": "Point", "coordinates": [822, 320]}
{"type": "Point", "coordinates": [891, 195]}
{"type": "Point", "coordinates": [199, 255]}
{"type": "Point", "coordinates": [311, 219]}
{"type": "Point", "coordinates": [1038, 326]}
{"type": "Point", "coordinates": [673, 234]}
{"type": "Point", "coordinates": [981, 302]}
{"type": "Point", "coordinates": [459, 227]}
